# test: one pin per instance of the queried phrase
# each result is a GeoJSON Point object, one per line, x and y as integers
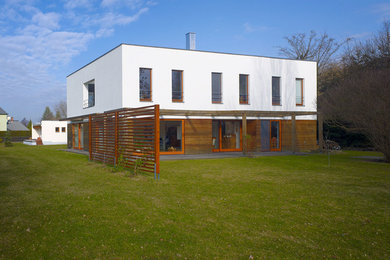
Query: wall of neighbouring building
{"type": "Point", "coordinates": [49, 134]}
{"type": "Point", "coordinates": [36, 132]}
{"type": "Point", "coordinates": [3, 123]}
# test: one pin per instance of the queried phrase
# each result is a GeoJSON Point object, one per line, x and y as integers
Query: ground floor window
{"type": "Point", "coordinates": [275, 135]}
{"type": "Point", "coordinates": [171, 136]}
{"type": "Point", "coordinates": [226, 135]}
{"type": "Point", "coordinates": [270, 135]}
{"type": "Point", "coordinates": [77, 136]}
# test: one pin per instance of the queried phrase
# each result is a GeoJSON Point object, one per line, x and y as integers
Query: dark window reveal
{"type": "Point", "coordinates": [177, 86]}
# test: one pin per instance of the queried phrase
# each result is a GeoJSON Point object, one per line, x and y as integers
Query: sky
{"type": "Point", "coordinates": [41, 42]}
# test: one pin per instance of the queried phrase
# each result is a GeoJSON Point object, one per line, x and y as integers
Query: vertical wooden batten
{"type": "Point", "coordinates": [90, 136]}
{"type": "Point", "coordinates": [116, 138]}
{"type": "Point", "coordinates": [293, 134]}
{"type": "Point", "coordinates": [244, 133]}
{"type": "Point", "coordinates": [157, 138]}
{"type": "Point", "coordinates": [320, 131]}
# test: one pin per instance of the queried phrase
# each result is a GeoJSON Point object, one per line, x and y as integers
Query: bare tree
{"type": "Point", "coordinates": [363, 100]}
{"type": "Point", "coordinates": [360, 98]}
{"type": "Point", "coordinates": [60, 110]}
{"type": "Point", "coordinates": [319, 48]}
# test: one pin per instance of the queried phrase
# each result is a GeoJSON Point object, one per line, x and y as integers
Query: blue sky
{"type": "Point", "coordinates": [41, 42]}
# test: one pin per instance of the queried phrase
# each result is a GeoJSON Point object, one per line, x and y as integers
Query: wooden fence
{"type": "Point", "coordinates": [127, 137]}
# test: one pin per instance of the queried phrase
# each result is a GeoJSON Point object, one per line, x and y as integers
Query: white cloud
{"type": "Point", "coordinates": [249, 28]}
{"type": "Point", "coordinates": [71, 4]}
{"type": "Point", "coordinates": [382, 9]}
{"type": "Point", "coordinates": [36, 44]}
{"type": "Point", "coordinates": [47, 20]}
{"type": "Point", "coordinates": [133, 4]}
{"type": "Point", "coordinates": [111, 19]}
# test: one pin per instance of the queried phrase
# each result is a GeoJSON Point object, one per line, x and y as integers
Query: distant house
{"type": "Point", "coordinates": [14, 125]}
{"type": "Point", "coordinates": [17, 131]}
{"type": "Point", "coordinates": [3, 120]}
{"type": "Point", "coordinates": [50, 131]}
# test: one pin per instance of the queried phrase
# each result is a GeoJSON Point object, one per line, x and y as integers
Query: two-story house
{"type": "Point", "coordinates": [203, 97]}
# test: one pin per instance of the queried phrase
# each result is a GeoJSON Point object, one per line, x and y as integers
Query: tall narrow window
{"type": "Point", "coordinates": [145, 84]}
{"type": "Point", "coordinates": [299, 91]}
{"type": "Point", "coordinates": [89, 94]}
{"type": "Point", "coordinates": [276, 100]}
{"type": "Point", "coordinates": [177, 86]}
{"type": "Point", "coordinates": [216, 90]}
{"type": "Point", "coordinates": [244, 89]}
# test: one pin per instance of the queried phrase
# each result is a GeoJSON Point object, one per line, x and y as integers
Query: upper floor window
{"type": "Point", "coordinates": [216, 88]}
{"type": "Point", "coordinates": [89, 94]}
{"type": "Point", "coordinates": [244, 89]}
{"type": "Point", "coordinates": [299, 92]}
{"type": "Point", "coordinates": [57, 129]}
{"type": "Point", "coordinates": [177, 85]}
{"type": "Point", "coordinates": [63, 129]}
{"type": "Point", "coordinates": [145, 84]}
{"type": "Point", "coordinates": [276, 99]}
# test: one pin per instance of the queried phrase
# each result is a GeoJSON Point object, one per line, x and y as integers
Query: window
{"type": "Point", "coordinates": [243, 89]}
{"type": "Point", "coordinates": [216, 91]}
{"type": "Point", "coordinates": [171, 136]}
{"type": "Point", "coordinates": [145, 84]}
{"type": "Point", "coordinates": [57, 129]}
{"type": "Point", "coordinates": [63, 129]}
{"type": "Point", "coordinates": [276, 100]}
{"type": "Point", "coordinates": [299, 92]}
{"type": "Point", "coordinates": [89, 94]}
{"type": "Point", "coordinates": [177, 86]}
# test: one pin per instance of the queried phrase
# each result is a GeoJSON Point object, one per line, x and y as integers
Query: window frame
{"type": "Point", "coordinates": [299, 104]}
{"type": "Point", "coordinates": [220, 88]}
{"type": "Point", "coordinates": [86, 94]}
{"type": "Point", "coordinates": [181, 86]}
{"type": "Point", "coordinates": [57, 129]}
{"type": "Point", "coordinates": [150, 87]}
{"type": "Point", "coordinates": [280, 91]}
{"type": "Point", "coordinates": [63, 129]}
{"type": "Point", "coordinates": [182, 137]}
{"type": "Point", "coordinates": [247, 89]}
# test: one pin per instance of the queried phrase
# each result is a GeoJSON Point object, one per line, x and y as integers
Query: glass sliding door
{"type": "Point", "coordinates": [78, 140]}
{"type": "Point", "coordinates": [76, 143]}
{"type": "Point", "coordinates": [226, 136]}
{"type": "Point", "coordinates": [215, 136]}
{"type": "Point", "coordinates": [275, 135]}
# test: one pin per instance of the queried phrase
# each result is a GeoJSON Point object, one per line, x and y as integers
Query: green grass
{"type": "Point", "coordinates": [59, 205]}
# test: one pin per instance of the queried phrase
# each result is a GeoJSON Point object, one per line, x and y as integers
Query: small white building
{"type": "Point", "coordinates": [51, 132]}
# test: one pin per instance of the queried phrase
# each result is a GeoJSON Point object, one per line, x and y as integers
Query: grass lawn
{"type": "Point", "coordinates": [59, 205]}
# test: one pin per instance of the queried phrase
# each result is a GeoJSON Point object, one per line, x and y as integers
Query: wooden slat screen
{"type": "Point", "coordinates": [128, 136]}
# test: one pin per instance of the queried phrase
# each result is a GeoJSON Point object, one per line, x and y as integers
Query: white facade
{"type": "Point", "coordinates": [116, 77]}
{"type": "Point", "coordinates": [51, 132]}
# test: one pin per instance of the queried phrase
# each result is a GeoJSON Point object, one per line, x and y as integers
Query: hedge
{"type": "Point", "coordinates": [16, 136]}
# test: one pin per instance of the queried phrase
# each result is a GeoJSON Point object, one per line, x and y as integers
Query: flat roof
{"type": "Point", "coordinates": [179, 49]}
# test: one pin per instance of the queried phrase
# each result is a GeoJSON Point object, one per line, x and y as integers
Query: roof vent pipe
{"type": "Point", "coordinates": [190, 41]}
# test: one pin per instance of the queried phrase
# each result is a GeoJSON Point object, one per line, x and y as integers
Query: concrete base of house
{"type": "Point", "coordinates": [171, 157]}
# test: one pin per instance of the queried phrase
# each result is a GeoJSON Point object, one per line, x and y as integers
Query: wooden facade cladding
{"type": "Point", "coordinates": [253, 139]}
{"type": "Point", "coordinates": [126, 136]}
{"type": "Point", "coordinates": [306, 135]}
{"type": "Point", "coordinates": [198, 136]}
